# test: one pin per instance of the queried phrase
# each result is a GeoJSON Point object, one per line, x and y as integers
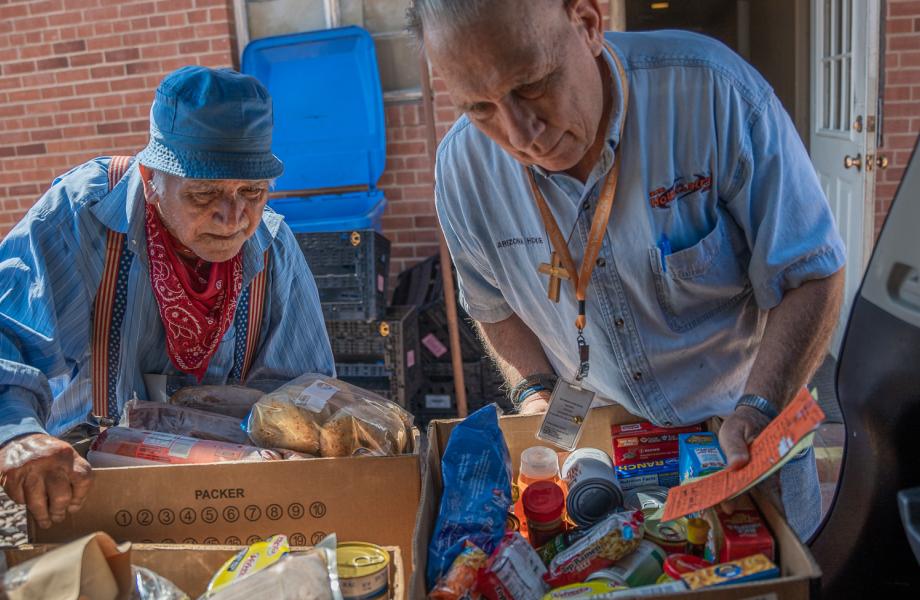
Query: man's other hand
{"type": "Point", "coordinates": [737, 433]}
{"type": "Point", "coordinates": [535, 403]}
{"type": "Point", "coordinates": [46, 474]}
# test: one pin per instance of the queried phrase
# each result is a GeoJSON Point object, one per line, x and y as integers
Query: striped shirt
{"type": "Point", "coordinates": [51, 264]}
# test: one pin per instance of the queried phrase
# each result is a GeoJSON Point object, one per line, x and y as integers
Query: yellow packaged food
{"type": "Point", "coordinates": [253, 559]}
{"type": "Point", "coordinates": [583, 591]}
{"type": "Point", "coordinates": [752, 568]}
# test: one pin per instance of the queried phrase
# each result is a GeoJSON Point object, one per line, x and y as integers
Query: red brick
{"type": "Point", "coordinates": [71, 75]}
{"type": "Point", "coordinates": [110, 128]}
{"type": "Point", "coordinates": [130, 83]}
{"type": "Point", "coordinates": [79, 103]}
{"type": "Point", "coordinates": [899, 9]}
{"type": "Point", "coordinates": [108, 101]}
{"type": "Point", "coordinates": [36, 51]}
{"type": "Point", "coordinates": [28, 95]}
{"type": "Point", "coordinates": [57, 91]}
{"type": "Point", "coordinates": [157, 21]}
{"type": "Point", "coordinates": [41, 135]}
{"type": "Point", "coordinates": [69, 47]}
{"type": "Point", "coordinates": [429, 221]}
{"type": "Point", "coordinates": [12, 11]}
{"type": "Point", "coordinates": [23, 190]}
{"type": "Point", "coordinates": [81, 60]}
{"type": "Point", "coordinates": [47, 64]}
{"type": "Point", "coordinates": [900, 109]}
{"type": "Point", "coordinates": [12, 110]}
{"type": "Point", "coordinates": [194, 47]}
{"type": "Point", "coordinates": [104, 43]}
{"type": "Point", "coordinates": [17, 68]}
{"type": "Point", "coordinates": [902, 76]}
{"type": "Point", "coordinates": [140, 38]}
{"type": "Point", "coordinates": [903, 42]}
{"type": "Point", "coordinates": [30, 149]}
{"type": "Point", "coordinates": [137, 68]}
{"type": "Point", "coordinates": [136, 9]}
{"type": "Point", "coordinates": [197, 16]}
{"type": "Point", "coordinates": [122, 55]}
{"type": "Point", "coordinates": [160, 51]}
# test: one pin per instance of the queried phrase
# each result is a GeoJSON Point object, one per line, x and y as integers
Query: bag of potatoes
{"type": "Point", "coordinates": [322, 416]}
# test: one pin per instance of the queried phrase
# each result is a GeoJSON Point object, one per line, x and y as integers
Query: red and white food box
{"type": "Point", "coordinates": [641, 442]}
{"type": "Point", "coordinates": [740, 534]}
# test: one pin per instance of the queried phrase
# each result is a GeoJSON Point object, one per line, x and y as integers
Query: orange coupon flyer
{"type": "Point", "coordinates": [779, 442]}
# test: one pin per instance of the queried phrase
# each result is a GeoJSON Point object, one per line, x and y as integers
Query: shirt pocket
{"type": "Point", "coordinates": [696, 283]}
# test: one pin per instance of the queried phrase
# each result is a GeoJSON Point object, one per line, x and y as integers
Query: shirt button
{"type": "Point", "coordinates": [601, 262]}
{"type": "Point", "coordinates": [619, 322]}
{"type": "Point", "coordinates": [586, 205]}
{"type": "Point", "coordinates": [668, 423]}
{"type": "Point", "coordinates": [637, 375]}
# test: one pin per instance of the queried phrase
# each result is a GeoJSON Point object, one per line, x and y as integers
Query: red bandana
{"type": "Point", "coordinates": [196, 306]}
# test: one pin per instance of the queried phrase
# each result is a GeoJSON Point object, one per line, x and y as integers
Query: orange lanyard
{"type": "Point", "coordinates": [581, 278]}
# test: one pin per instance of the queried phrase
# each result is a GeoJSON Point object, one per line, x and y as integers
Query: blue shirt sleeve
{"type": "Point", "coordinates": [480, 295]}
{"type": "Point", "coordinates": [777, 200]}
{"type": "Point", "coordinates": [295, 340]}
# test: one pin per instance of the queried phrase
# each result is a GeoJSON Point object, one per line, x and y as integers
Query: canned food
{"type": "Point", "coordinates": [364, 571]}
{"type": "Point", "coordinates": [592, 484]}
{"type": "Point", "coordinates": [649, 499]}
{"type": "Point", "coordinates": [671, 535]}
{"type": "Point", "coordinates": [512, 523]}
{"type": "Point", "coordinates": [642, 567]}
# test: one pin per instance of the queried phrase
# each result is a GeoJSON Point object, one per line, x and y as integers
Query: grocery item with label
{"type": "Point", "coordinates": [513, 572]}
{"type": "Point", "coordinates": [662, 472]}
{"type": "Point", "coordinates": [476, 476]}
{"type": "Point", "coordinates": [124, 447]}
{"type": "Point", "coordinates": [460, 581]}
{"type": "Point", "coordinates": [700, 455]}
{"type": "Point", "coordinates": [560, 543]}
{"type": "Point", "coordinates": [697, 536]}
{"type": "Point", "coordinates": [182, 420]}
{"type": "Point", "coordinates": [671, 536]}
{"type": "Point", "coordinates": [739, 534]}
{"type": "Point", "coordinates": [538, 463]}
{"type": "Point", "coordinates": [650, 499]}
{"type": "Point", "coordinates": [642, 442]}
{"type": "Point", "coordinates": [642, 567]}
{"type": "Point", "coordinates": [229, 400]}
{"type": "Point", "coordinates": [677, 565]}
{"type": "Point", "coordinates": [322, 416]}
{"type": "Point", "coordinates": [593, 492]}
{"type": "Point", "coordinates": [544, 503]}
{"type": "Point", "coordinates": [583, 591]}
{"type": "Point", "coordinates": [613, 538]}
{"type": "Point", "coordinates": [364, 571]}
{"type": "Point", "coordinates": [752, 568]}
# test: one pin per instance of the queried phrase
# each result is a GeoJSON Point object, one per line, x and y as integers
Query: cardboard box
{"type": "Point", "coordinates": [368, 499]}
{"type": "Point", "coordinates": [799, 572]}
{"type": "Point", "coordinates": [191, 567]}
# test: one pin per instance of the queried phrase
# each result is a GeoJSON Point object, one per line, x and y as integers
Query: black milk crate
{"type": "Point", "coordinates": [351, 269]}
{"type": "Point", "coordinates": [380, 355]}
{"type": "Point", "coordinates": [438, 400]}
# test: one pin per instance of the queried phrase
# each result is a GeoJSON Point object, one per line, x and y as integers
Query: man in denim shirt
{"type": "Point", "coordinates": [718, 283]}
{"type": "Point", "coordinates": [165, 263]}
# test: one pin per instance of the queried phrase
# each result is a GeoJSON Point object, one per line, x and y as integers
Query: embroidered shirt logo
{"type": "Point", "coordinates": [663, 197]}
{"type": "Point", "coordinates": [526, 241]}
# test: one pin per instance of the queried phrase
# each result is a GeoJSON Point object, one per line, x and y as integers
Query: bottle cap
{"type": "Point", "coordinates": [543, 502]}
{"type": "Point", "coordinates": [697, 531]}
{"type": "Point", "coordinates": [539, 462]}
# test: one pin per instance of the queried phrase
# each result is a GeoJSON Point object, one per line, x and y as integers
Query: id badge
{"type": "Point", "coordinates": [566, 414]}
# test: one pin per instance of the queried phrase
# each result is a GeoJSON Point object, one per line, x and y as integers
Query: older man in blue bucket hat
{"type": "Point", "coordinates": [164, 263]}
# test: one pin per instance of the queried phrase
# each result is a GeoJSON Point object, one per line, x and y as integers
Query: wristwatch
{"type": "Point", "coordinates": [542, 382]}
{"type": "Point", "coordinates": [760, 403]}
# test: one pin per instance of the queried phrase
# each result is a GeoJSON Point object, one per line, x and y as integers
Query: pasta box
{"type": "Point", "coordinates": [799, 574]}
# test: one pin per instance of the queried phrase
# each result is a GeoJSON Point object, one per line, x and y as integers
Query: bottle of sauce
{"type": "Point", "coordinates": [538, 463]}
{"type": "Point", "coordinates": [543, 506]}
{"type": "Point", "coordinates": [697, 536]}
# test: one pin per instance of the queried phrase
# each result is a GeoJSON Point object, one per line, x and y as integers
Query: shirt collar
{"type": "Point", "coordinates": [605, 161]}
{"type": "Point", "coordinates": [122, 210]}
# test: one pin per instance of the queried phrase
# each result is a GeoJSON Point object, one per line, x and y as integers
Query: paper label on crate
{"type": "Point", "coordinates": [315, 396]}
{"type": "Point", "coordinates": [381, 282]}
{"type": "Point", "coordinates": [788, 434]}
{"type": "Point", "coordinates": [437, 401]}
{"type": "Point", "coordinates": [410, 359]}
{"type": "Point", "coordinates": [434, 345]}
{"type": "Point", "coordinates": [566, 414]}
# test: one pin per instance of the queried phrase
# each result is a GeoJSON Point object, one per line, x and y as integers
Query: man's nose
{"type": "Point", "coordinates": [231, 211]}
{"type": "Point", "coordinates": [523, 126]}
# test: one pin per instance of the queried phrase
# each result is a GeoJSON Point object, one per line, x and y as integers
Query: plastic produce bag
{"type": "Point", "coordinates": [124, 447]}
{"type": "Point", "coordinates": [322, 416]}
{"type": "Point", "coordinates": [181, 420]}
{"type": "Point", "coordinates": [229, 400]}
{"type": "Point", "coordinates": [150, 586]}
{"type": "Point", "coordinates": [476, 477]}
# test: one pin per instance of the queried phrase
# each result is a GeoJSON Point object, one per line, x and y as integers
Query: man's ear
{"type": "Point", "coordinates": [147, 180]}
{"type": "Point", "coordinates": [587, 16]}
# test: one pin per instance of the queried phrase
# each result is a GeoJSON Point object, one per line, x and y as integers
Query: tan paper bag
{"type": "Point", "coordinates": [91, 568]}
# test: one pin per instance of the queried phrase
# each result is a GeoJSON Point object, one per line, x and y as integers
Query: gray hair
{"type": "Point", "coordinates": [456, 13]}
{"type": "Point", "coordinates": [159, 179]}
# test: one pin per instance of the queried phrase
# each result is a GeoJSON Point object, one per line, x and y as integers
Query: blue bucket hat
{"type": "Point", "coordinates": [211, 124]}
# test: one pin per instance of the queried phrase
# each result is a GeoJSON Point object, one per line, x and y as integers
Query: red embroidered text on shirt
{"type": "Point", "coordinates": [662, 197]}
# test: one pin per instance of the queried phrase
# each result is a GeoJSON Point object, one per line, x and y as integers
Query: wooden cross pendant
{"type": "Point", "coordinates": [556, 273]}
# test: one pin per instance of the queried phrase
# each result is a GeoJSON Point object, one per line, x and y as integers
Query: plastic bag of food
{"type": "Point", "coordinates": [476, 477]}
{"type": "Point", "coordinates": [124, 447]}
{"type": "Point", "coordinates": [229, 400]}
{"type": "Point", "coordinates": [181, 420]}
{"type": "Point", "coordinates": [514, 571]}
{"type": "Point", "coordinates": [322, 416]}
{"type": "Point", "coordinates": [460, 581]}
{"type": "Point", "coordinates": [150, 586]}
{"type": "Point", "coordinates": [606, 542]}
{"type": "Point", "coordinates": [309, 575]}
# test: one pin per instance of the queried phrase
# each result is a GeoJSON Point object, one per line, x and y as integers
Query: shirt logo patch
{"type": "Point", "coordinates": [663, 197]}
{"type": "Point", "coordinates": [528, 241]}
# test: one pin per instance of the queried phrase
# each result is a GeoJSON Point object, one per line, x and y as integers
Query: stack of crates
{"type": "Point", "coordinates": [422, 287]}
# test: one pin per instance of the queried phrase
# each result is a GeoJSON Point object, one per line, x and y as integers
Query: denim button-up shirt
{"type": "Point", "coordinates": [718, 213]}
{"type": "Point", "coordinates": [51, 264]}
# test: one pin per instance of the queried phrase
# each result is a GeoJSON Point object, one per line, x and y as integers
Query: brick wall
{"type": "Point", "coordinates": [901, 113]}
{"type": "Point", "coordinates": [77, 79]}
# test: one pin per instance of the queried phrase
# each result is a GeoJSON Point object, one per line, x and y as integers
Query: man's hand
{"type": "Point", "coordinates": [45, 474]}
{"type": "Point", "coordinates": [737, 433]}
{"type": "Point", "coordinates": [536, 403]}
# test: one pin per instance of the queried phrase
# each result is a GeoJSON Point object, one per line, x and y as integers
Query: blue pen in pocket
{"type": "Point", "coordinates": [664, 245]}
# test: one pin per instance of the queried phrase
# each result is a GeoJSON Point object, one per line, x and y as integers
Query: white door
{"type": "Point", "coordinates": [843, 125]}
